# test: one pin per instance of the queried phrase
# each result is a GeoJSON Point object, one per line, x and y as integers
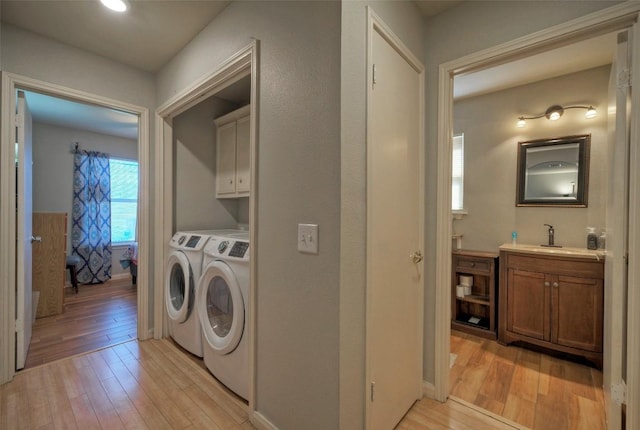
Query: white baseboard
{"type": "Point", "coordinates": [428, 390]}
{"type": "Point", "coordinates": [120, 276]}
{"type": "Point", "coordinates": [260, 422]}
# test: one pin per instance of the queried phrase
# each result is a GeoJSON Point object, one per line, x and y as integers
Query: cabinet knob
{"type": "Point", "coordinates": [555, 285]}
{"type": "Point", "coordinates": [416, 257]}
{"type": "Point", "coordinates": [240, 180]}
{"type": "Point", "coordinates": [473, 264]}
{"type": "Point", "coordinates": [546, 283]}
{"type": "Point", "coordinates": [231, 181]}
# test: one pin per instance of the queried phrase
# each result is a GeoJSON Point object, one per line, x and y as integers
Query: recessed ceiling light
{"type": "Point", "coordinates": [117, 5]}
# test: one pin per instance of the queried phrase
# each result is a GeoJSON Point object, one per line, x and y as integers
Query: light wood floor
{"type": "Point", "coordinates": [98, 316]}
{"type": "Point", "coordinates": [532, 389]}
{"type": "Point", "coordinates": [154, 385]}
{"type": "Point", "coordinates": [133, 385]}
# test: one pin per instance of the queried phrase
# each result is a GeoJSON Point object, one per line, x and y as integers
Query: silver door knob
{"type": "Point", "coordinates": [416, 257]}
{"type": "Point", "coordinates": [36, 239]}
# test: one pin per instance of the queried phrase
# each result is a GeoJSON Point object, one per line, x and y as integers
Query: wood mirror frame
{"type": "Point", "coordinates": [554, 172]}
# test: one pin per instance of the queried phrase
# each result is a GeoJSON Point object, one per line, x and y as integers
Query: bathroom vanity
{"type": "Point", "coordinates": [553, 298]}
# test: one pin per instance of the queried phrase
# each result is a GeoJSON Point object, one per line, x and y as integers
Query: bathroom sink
{"type": "Point", "coordinates": [565, 252]}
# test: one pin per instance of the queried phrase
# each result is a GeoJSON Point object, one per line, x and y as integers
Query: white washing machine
{"type": "Point", "coordinates": [183, 269]}
{"type": "Point", "coordinates": [223, 307]}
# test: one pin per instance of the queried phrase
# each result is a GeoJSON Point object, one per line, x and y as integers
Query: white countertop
{"type": "Point", "coordinates": [598, 254]}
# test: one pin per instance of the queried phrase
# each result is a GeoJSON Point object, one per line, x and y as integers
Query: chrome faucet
{"type": "Point", "coordinates": [551, 234]}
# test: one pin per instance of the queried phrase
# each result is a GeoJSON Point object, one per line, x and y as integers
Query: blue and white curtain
{"type": "Point", "coordinates": [91, 227]}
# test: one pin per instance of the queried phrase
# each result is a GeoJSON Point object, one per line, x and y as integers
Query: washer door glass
{"type": "Point", "coordinates": [221, 308]}
{"type": "Point", "coordinates": [179, 288]}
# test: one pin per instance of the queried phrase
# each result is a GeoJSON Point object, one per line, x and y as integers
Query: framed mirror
{"type": "Point", "coordinates": [554, 172]}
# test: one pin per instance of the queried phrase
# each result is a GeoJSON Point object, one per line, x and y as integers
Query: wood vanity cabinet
{"type": "Point", "coordinates": [233, 154]}
{"type": "Point", "coordinates": [552, 301]}
{"type": "Point", "coordinates": [475, 313]}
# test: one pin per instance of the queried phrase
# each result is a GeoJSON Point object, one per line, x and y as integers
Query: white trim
{"type": "Point", "coordinates": [376, 24]}
{"type": "Point", "coordinates": [10, 83]}
{"type": "Point", "coordinates": [428, 390]}
{"type": "Point", "coordinates": [614, 18]}
{"type": "Point", "coordinates": [633, 298]}
{"type": "Point", "coordinates": [260, 422]}
{"type": "Point", "coordinates": [239, 65]}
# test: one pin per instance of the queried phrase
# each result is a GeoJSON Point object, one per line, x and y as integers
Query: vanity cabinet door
{"type": "Point", "coordinates": [578, 312]}
{"type": "Point", "coordinates": [528, 296]}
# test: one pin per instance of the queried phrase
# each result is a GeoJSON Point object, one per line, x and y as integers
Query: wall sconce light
{"type": "Point", "coordinates": [555, 112]}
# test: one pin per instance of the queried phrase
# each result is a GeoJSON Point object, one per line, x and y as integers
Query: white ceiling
{"type": "Point", "coordinates": [146, 36]}
{"type": "Point", "coordinates": [583, 55]}
{"type": "Point", "coordinates": [149, 35]}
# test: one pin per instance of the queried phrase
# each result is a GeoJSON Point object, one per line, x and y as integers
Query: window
{"type": "Point", "coordinates": [457, 180]}
{"type": "Point", "coordinates": [124, 200]}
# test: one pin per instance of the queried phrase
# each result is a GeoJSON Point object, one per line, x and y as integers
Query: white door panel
{"type": "Point", "coordinates": [394, 200]}
{"type": "Point", "coordinates": [24, 231]}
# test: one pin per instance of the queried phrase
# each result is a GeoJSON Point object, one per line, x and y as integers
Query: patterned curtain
{"type": "Point", "coordinates": [91, 227]}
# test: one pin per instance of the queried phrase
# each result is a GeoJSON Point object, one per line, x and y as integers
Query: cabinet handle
{"type": "Point", "coordinates": [546, 283]}
{"type": "Point", "coordinates": [555, 285]}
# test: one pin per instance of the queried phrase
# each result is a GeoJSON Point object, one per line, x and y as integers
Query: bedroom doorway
{"type": "Point", "coordinates": [66, 136]}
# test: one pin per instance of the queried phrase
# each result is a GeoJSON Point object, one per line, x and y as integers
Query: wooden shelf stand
{"type": "Point", "coordinates": [475, 313]}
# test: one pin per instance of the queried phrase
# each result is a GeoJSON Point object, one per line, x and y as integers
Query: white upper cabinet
{"type": "Point", "coordinates": [233, 164]}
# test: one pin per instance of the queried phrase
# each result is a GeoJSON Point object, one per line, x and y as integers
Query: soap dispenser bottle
{"type": "Point", "coordinates": [602, 240]}
{"type": "Point", "coordinates": [592, 239]}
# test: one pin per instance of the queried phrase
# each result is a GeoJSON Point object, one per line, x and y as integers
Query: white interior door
{"type": "Point", "coordinates": [24, 231]}
{"type": "Point", "coordinates": [394, 232]}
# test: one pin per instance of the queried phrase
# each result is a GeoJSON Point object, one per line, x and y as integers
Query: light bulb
{"type": "Point", "coordinates": [554, 116]}
{"type": "Point", "coordinates": [115, 5]}
{"type": "Point", "coordinates": [591, 113]}
{"type": "Point", "coordinates": [521, 122]}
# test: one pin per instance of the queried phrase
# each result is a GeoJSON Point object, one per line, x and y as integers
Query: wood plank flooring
{"type": "Point", "coordinates": [133, 385]}
{"type": "Point", "coordinates": [98, 316]}
{"type": "Point", "coordinates": [154, 385]}
{"type": "Point", "coordinates": [529, 388]}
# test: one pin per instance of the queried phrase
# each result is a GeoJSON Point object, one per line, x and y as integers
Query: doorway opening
{"type": "Point", "coordinates": [97, 306]}
{"type": "Point", "coordinates": [13, 312]}
{"type": "Point", "coordinates": [449, 72]}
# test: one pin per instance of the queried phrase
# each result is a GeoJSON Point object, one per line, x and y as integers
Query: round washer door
{"type": "Point", "coordinates": [220, 308]}
{"type": "Point", "coordinates": [179, 287]}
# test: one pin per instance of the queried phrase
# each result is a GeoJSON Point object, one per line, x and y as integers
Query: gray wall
{"type": "Point", "coordinates": [196, 206]}
{"type": "Point", "coordinates": [462, 30]}
{"type": "Point", "coordinates": [491, 141]}
{"type": "Point", "coordinates": [405, 20]}
{"type": "Point", "coordinates": [53, 169]}
{"type": "Point", "coordinates": [299, 182]}
{"type": "Point", "coordinates": [30, 55]}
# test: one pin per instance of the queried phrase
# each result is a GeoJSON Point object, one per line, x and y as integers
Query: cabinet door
{"type": "Point", "coordinates": [243, 161]}
{"type": "Point", "coordinates": [226, 159]}
{"type": "Point", "coordinates": [528, 302]}
{"type": "Point", "coordinates": [577, 310]}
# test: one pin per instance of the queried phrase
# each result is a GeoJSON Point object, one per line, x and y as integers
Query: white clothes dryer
{"type": "Point", "coordinates": [223, 307]}
{"type": "Point", "coordinates": [183, 269]}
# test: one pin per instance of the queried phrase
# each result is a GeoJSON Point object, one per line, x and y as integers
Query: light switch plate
{"type": "Point", "coordinates": [308, 238]}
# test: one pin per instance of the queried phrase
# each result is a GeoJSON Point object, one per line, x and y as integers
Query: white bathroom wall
{"type": "Point", "coordinates": [491, 140]}
{"type": "Point", "coordinates": [53, 170]}
{"type": "Point", "coordinates": [196, 205]}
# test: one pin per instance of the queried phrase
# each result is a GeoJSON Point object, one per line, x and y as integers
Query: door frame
{"type": "Point", "coordinates": [239, 65]}
{"type": "Point", "coordinates": [10, 84]}
{"type": "Point", "coordinates": [376, 24]}
{"type": "Point", "coordinates": [617, 17]}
